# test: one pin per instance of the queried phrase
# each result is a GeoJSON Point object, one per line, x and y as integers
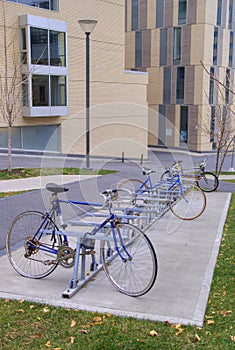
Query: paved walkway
{"type": "Point", "coordinates": [186, 251]}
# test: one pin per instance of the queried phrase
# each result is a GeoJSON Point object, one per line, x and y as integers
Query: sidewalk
{"type": "Point", "coordinates": [186, 251]}
{"type": "Point", "coordinates": [39, 182]}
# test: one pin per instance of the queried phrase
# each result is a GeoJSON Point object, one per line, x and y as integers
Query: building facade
{"type": "Point", "coordinates": [43, 59]}
{"type": "Point", "coordinates": [183, 45]}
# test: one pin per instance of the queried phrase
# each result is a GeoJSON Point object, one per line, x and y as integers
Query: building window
{"type": "Point", "coordinates": [139, 14]}
{"type": "Point", "coordinates": [23, 46]}
{"type": "Point", "coordinates": [45, 74]}
{"type": "Point", "coordinates": [160, 13]}
{"type": "Point", "coordinates": [230, 14]}
{"type": "Point", "coordinates": [183, 125]}
{"type": "Point", "coordinates": [227, 86]}
{"type": "Point", "coordinates": [230, 61]}
{"type": "Point", "coordinates": [211, 87]}
{"type": "Point", "coordinates": [212, 124]}
{"type": "Point", "coordinates": [43, 4]}
{"type": "Point", "coordinates": [138, 49]}
{"type": "Point", "coordinates": [48, 90]}
{"type": "Point", "coordinates": [47, 47]}
{"type": "Point", "coordinates": [215, 46]}
{"type": "Point", "coordinates": [177, 45]}
{"type": "Point", "coordinates": [219, 12]}
{"type": "Point", "coordinates": [167, 85]}
{"type": "Point", "coordinates": [58, 90]}
{"type": "Point", "coordinates": [25, 97]}
{"type": "Point", "coordinates": [163, 46]}
{"type": "Point", "coordinates": [162, 125]}
{"type": "Point", "coordinates": [135, 14]}
{"type": "Point", "coordinates": [182, 12]}
{"type": "Point", "coordinates": [180, 85]}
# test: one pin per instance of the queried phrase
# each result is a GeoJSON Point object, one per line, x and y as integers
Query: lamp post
{"type": "Point", "coordinates": [87, 26]}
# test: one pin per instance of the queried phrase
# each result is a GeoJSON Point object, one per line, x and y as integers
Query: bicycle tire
{"type": "Point", "coordinates": [191, 204]}
{"type": "Point", "coordinates": [165, 175]}
{"type": "Point", "coordinates": [134, 277]}
{"type": "Point", "coordinates": [131, 185]}
{"type": "Point", "coordinates": [208, 182]}
{"type": "Point", "coordinates": [30, 262]}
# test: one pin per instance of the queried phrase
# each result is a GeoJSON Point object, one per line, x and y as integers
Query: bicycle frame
{"type": "Point", "coordinates": [56, 210]}
{"type": "Point", "coordinates": [173, 181]}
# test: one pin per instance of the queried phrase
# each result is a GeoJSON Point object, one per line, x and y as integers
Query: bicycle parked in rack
{"type": "Point", "coordinates": [186, 200]}
{"type": "Point", "coordinates": [38, 242]}
{"type": "Point", "coordinates": [206, 180]}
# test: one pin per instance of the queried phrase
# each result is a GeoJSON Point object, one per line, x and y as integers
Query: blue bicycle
{"type": "Point", "coordinates": [186, 200]}
{"type": "Point", "coordinates": [38, 242]}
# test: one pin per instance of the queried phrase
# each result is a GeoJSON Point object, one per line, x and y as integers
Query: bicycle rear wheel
{"type": "Point", "coordinates": [188, 203]}
{"type": "Point", "coordinates": [208, 182]}
{"type": "Point", "coordinates": [137, 275]}
{"type": "Point", "coordinates": [31, 253]}
{"type": "Point", "coordinates": [165, 175]}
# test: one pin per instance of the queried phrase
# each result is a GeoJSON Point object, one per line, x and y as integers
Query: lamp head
{"type": "Point", "coordinates": [87, 25]}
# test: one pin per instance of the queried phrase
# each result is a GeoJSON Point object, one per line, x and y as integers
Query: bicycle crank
{"type": "Point", "coordinates": [65, 256]}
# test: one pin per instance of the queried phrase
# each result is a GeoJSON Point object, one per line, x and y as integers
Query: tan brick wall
{"type": "Point", "coordinates": [109, 82]}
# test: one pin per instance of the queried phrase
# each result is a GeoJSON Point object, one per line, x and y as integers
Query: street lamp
{"type": "Point", "coordinates": [87, 26]}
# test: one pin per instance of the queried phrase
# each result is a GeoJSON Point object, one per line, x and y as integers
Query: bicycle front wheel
{"type": "Point", "coordinates": [31, 253]}
{"type": "Point", "coordinates": [132, 185]}
{"type": "Point", "coordinates": [187, 202]}
{"type": "Point", "coordinates": [134, 275]}
{"type": "Point", "coordinates": [208, 182]}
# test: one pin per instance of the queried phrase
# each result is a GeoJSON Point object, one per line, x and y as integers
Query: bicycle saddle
{"type": "Point", "coordinates": [147, 171]}
{"type": "Point", "coordinates": [56, 188]}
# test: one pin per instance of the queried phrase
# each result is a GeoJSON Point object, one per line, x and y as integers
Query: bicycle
{"type": "Point", "coordinates": [186, 200]}
{"type": "Point", "coordinates": [38, 242]}
{"type": "Point", "coordinates": [207, 181]}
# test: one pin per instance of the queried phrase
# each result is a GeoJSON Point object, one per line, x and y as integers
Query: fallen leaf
{"type": "Point", "coordinates": [232, 338]}
{"type": "Point", "coordinates": [31, 306]}
{"type": "Point", "coordinates": [73, 323]}
{"type": "Point", "coordinates": [21, 310]}
{"type": "Point", "coordinates": [46, 309]}
{"type": "Point", "coordinates": [21, 301]}
{"type": "Point", "coordinates": [153, 333]}
{"type": "Point", "coordinates": [197, 338]}
{"type": "Point", "coordinates": [48, 344]}
{"type": "Point", "coordinates": [86, 331]}
{"type": "Point", "coordinates": [72, 340]}
{"type": "Point", "coordinates": [210, 322]}
{"type": "Point", "coordinates": [97, 319]}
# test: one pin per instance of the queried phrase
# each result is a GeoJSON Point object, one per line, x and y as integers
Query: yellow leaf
{"type": "Point", "coordinates": [153, 333]}
{"type": "Point", "coordinates": [73, 323]}
{"type": "Point", "coordinates": [197, 337]}
{"type": "Point", "coordinates": [85, 331]}
{"type": "Point", "coordinates": [72, 340]}
{"type": "Point", "coordinates": [48, 344]}
{"type": "Point", "coordinates": [108, 315]}
{"type": "Point", "coordinates": [46, 309]}
{"type": "Point", "coordinates": [210, 322]}
{"type": "Point", "coordinates": [21, 301]}
{"type": "Point", "coordinates": [31, 306]}
{"type": "Point", "coordinates": [20, 310]}
{"type": "Point", "coordinates": [97, 319]}
{"type": "Point", "coordinates": [57, 349]}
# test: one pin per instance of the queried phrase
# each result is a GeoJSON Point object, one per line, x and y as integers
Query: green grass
{"type": "Point", "coordinates": [27, 325]}
{"type": "Point", "coordinates": [19, 173]}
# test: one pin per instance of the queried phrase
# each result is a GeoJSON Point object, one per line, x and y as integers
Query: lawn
{"type": "Point", "coordinates": [27, 325]}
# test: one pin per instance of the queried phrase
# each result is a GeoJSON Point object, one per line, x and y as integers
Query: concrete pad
{"type": "Point", "coordinates": [186, 252]}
